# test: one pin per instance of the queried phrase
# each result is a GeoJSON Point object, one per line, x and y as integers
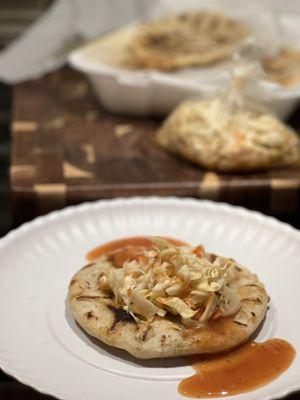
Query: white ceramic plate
{"type": "Point", "coordinates": [41, 346]}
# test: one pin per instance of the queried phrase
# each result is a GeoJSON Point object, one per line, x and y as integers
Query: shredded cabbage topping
{"type": "Point", "coordinates": [183, 281]}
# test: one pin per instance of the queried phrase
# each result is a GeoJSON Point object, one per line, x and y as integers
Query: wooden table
{"type": "Point", "coordinates": [66, 149]}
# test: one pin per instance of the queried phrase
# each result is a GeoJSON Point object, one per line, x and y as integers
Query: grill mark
{"type": "Point", "coordinates": [251, 300]}
{"type": "Point", "coordinates": [88, 266]}
{"type": "Point", "coordinates": [90, 315]}
{"type": "Point", "coordinates": [82, 298]}
{"type": "Point", "coordinates": [251, 285]}
{"type": "Point", "coordinates": [240, 323]}
{"type": "Point", "coordinates": [144, 334]}
{"type": "Point", "coordinates": [120, 315]}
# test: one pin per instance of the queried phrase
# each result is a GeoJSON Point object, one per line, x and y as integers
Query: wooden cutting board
{"type": "Point", "coordinates": [66, 149]}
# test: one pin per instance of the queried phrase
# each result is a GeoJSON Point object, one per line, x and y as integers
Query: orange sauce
{"type": "Point", "coordinates": [244, 369]}
{"type": "Point", "coordinates": [126, 249]}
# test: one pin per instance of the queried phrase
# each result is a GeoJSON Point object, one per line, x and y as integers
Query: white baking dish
{"type": "Point", "coordinates": [144, 93]}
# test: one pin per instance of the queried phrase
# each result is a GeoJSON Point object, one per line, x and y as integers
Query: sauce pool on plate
{"type": "Point", "coordinates": [126, 249]}
{"type": "Point", "coordinates": [242, 370]}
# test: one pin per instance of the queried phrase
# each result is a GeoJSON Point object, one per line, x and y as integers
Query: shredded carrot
{"type": "Point", "coordinates": [217, 314]}
{"type": "Point", "coordinates": [199, 313]}
{"type": "Point", "coordinates": [198, 251]}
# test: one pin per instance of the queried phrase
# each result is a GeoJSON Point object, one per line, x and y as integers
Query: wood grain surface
{"type": "Point", "coordinates": [66, 149]}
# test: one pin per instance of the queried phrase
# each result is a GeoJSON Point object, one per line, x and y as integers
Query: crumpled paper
{"type": "Point", "coordinates": [45, 45]}
{"type": "Point", "coordinates": [67, 23]}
